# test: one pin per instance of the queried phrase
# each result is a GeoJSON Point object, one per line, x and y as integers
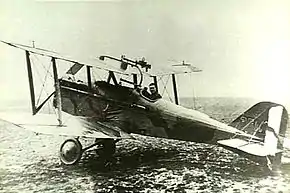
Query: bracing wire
{"type": "Point", "coordinates": [44, 81]}
{"type": "Point", "coordinates": [43, 84]}
{"type": "Point", "coordinates": [161, 80]}
{"type": "Point", "coordinates": [165, 88]}
{"type": "Point", "coordinates": [39, 61]}
{"type": "Point", "coordinates": [251, 123]}
{"type": "Point", "coordinates": [193, 92]}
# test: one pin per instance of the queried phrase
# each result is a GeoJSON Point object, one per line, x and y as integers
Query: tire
{"type": "Point", "coordinates": [70, 155]}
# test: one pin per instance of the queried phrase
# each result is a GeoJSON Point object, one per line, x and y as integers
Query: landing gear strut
{"type": "Point", "coordinates": [106, 147]}
{"type": "Point", "coordinates": [71, 150]}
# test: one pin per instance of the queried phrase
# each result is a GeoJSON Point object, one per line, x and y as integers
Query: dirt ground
{"type": "Point", "coordinates": [30, 163]}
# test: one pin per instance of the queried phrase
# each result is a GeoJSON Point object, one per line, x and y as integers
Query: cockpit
{"type": "Point", "coordinates": [151, 97]}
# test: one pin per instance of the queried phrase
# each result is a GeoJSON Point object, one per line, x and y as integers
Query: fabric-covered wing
{"type": "Point", "coordinates": [72, 125]}
{"type": "Point", "coordinates": [49, 53]}
{"type": "Point", "coordinates": [182, 69]}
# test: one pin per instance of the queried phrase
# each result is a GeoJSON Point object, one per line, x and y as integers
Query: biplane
{"type": "Point", "coordinates": [108, 111]}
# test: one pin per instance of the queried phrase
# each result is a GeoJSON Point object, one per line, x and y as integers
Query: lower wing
{"type": "Point", "coordinates": [76, 126]}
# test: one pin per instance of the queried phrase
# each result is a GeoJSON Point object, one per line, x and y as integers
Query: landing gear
{"type": "Point", "coordinates": [106, 147]}
{"type": "Point", "coordinates": [71, 150]}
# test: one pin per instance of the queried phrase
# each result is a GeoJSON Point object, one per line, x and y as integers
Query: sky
{"type": "Point", "coordinates": [243, 47]}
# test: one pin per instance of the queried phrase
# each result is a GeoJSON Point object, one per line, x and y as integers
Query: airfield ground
{"type": "Point", "coordinates": [29, 163]}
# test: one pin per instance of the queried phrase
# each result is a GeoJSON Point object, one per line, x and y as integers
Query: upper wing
{"type": "Point", "coordinates": [174, 69]}
{"type": "Point", "coordinates": [72, 125]}
{"type": "Point", "coordinates": [52, 54]}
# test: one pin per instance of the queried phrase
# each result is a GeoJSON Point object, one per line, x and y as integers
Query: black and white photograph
{"type": "Point", "coordinates": [150, 96]}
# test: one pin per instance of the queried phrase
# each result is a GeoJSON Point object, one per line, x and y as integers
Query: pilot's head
{"type": "Point", "coordinates": [152, 88]}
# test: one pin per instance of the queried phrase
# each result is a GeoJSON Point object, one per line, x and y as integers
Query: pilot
{"type": "Point", "coordinates": [154, 95]}
{"type": "Point", "coordinates": [145, 92]}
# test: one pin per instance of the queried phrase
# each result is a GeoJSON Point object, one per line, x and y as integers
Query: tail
{"type": "Point", "coordinates": [266, 121]}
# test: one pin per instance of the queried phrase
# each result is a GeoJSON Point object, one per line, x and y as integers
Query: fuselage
{"type": "Point", "coordinates": [188, 124]}
{"type": "Point", "coordinates": [120, 109]}
{"type": "Point", "coordinates": [130, 111]}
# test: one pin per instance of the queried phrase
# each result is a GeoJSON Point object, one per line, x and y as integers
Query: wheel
{"type": "Point", "coordinates": [106, 147]}
{"type": "Point", "coordinates": [70, 151]}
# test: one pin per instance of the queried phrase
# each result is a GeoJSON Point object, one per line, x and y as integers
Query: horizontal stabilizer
{"type": "Point", "coordinates": [250, 147]}
{"type": "Point", "coordinates": [72, 125]}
